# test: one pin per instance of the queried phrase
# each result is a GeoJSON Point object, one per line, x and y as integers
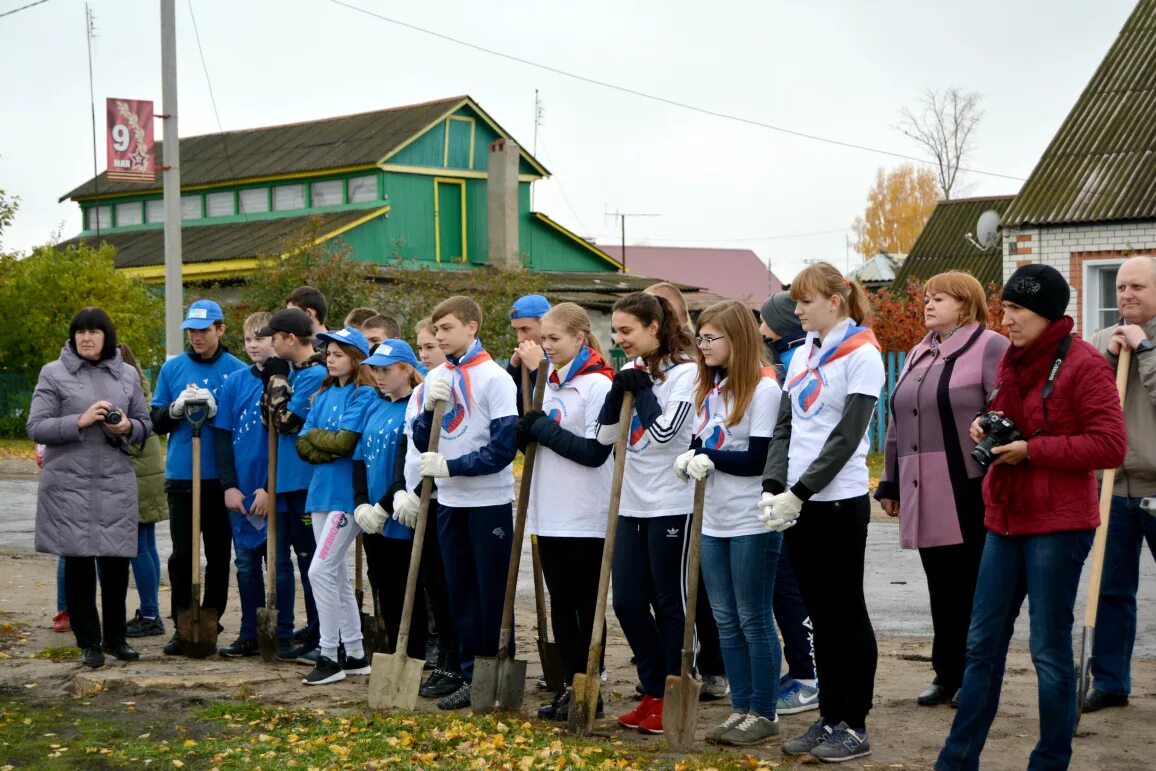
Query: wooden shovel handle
{"type": "Point", "coordinates": [1107, 482]}
{"type": "Point", "coordinates": [435, 435]}
{"type": "Point", "coordinates": [196, 570]}
{"type": "Point", "coordinates": [692, 569]}
{"type": "Point", "coordinates": [271, 520]}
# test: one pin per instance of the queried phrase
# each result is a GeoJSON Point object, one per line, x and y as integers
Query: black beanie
{"type": "Point", "coordinates": [778, 313]}
{"type": "Point", "coordinates": [1039, 288]}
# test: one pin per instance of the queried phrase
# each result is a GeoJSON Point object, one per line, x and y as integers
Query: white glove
{"type": "Point", "coordinates": [177, 408]}
{"type": "Point", "coordinates": [405, 508]}
{"type": "Point", "coordinates": [680, 464]}
{"type": "Point", "coordinates": [436, 391]}
{"type": "Point", "coordinates": [210, 403]}
{"type": "Point", "coordinates": [433, 464]}
{"type": "Point", "coordinates": [370, 517]}
{"type": "Point", "coordinates": [700, 467]}
{"type": "Point", "coordinates": [780, 511]}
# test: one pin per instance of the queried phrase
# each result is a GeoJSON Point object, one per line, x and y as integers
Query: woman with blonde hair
{"type": "Point", "coordinates": [948, 378]}
{"type": "Point", "coordinates": [736, 402]}
{"type": "Point", "coordinates": [815, 489]}
{"type": "Point", "coordinates": [570, 497]}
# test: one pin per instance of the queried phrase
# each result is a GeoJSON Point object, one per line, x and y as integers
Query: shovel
{"type": "Point", "coordinates": [395, 677]}
{"type": "Point", "coordinates": [584, 689]}
{"type": "Point", "coordinates": [548, 652]}
{"type": "Point", "coordinates": [680, 700]}
{"type": "Point", "coordinates": [368, 622]}
{"type": "Point", "coordinates": [267, 616]}
{"type": "Point", "coordinates": [1098, 548]}
{"type": "Point", "coordinates": [197, 626]}
{"type": "Point", "coordinates": [500, 682]}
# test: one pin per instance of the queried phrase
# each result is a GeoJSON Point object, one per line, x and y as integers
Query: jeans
{"type": "Point", "coordinates": [146, 569]}
{"type": "Point", "coordinates": [80, 579]}
{"type": "Point", "coordinates": [250, 584]}
{"type": "Point", "coordinates": [794, 621]}
{"type": "Point", "coordinates": [1046, 569]}
{"type": "Point", "coordinates": [61, 600]}
{"type": "Point", "coordinates": [740, 579]}
{"type": "Point", "coordinates": [295, 538]}
{"type": "Point", "coordinates": [1129, 527]}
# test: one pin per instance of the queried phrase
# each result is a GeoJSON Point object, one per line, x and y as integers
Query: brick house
{"type": "Point", "coordinates": [1090, 202]}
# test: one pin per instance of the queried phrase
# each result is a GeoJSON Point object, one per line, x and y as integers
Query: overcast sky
{"type": "Point", "coordinates": [835, 68]}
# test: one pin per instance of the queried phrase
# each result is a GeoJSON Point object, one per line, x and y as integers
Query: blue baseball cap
{"type": "Point", "coordinates": [390, 352]}
{"type": "Point", "coordinates": [349, 336]}
{"type": "Point", "coordinates": [531, 306]}
{"type": "Point", "coordinates": [202, 314]}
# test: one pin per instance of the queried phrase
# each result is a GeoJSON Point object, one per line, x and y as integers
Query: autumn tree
{"type": "Point", "coordinates": [943, 125]}
{"type": "Point", "coordinates": [898, 315]}
{"type": "Point", "coordinates": [898, 205]}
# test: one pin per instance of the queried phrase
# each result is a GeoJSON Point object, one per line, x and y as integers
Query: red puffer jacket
{"type": "Point", "coordinates": [1055, 490]}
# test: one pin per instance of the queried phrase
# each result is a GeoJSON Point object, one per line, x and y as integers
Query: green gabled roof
{"type": "Point", "coordinates": [942, 245]}
{"type": "Point", "coordinates": [209, 243]}
{"type": "Point", "coordinates": [346, 141]}
{"type": "Point", "coordinates": [1101, 165]}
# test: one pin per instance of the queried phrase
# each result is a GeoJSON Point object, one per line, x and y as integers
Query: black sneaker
{"type": "Point", "coordinates": [818, 733]}
{"type": "Point", "coordinates": [459, 699]}
{"type": "Point", "coordinates": [326, 671]}
{"type": "Point", "coordinates": [562, 713]}
{"type": "Point", "coordinates": [550, 711]}
{"type": "Point", "coordinates": [1097, 700]}
{"type": "Point", "coordinates": [356, 666]}
{"type": "Point", "coordinates": [174, 647]}
{"type": "Point", "coordinates": [122, 651]}
{"type": "Point", "coordinates": [93, 657]}
{"type": "Point", "coordinates": [239, 649]}
{"type": "Point", "coordinates": [441, 683]}
{"type": "Point", "coordinates": [286, 651]}
{"type": "Point", "coordinates": [139, 626]}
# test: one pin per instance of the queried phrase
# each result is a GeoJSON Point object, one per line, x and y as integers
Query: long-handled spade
{"type": "Point", "coordinates": [499, 681]}
{"type": "Point", "coordinates": [1098, 547]}
{"type": "Point", "coordinates": [267, 616]}
{"type": "Point", "coordinates": [395, 677]}
{"type": "Point", "coordinates": [680, 701]}
{"type": "Point", "coordinates": [197, 626]}
{"type": "Point", "coordinates": [584, 689]}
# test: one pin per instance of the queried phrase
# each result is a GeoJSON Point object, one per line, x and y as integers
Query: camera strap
{"type": "Point", "coordinates": [1049, 384]}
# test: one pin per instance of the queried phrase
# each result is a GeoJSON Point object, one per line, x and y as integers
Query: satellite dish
{"type": "Point", "coordinates": [987, 229]}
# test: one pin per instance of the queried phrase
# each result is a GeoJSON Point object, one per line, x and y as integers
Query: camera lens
{"type": "Point", "coordinates": [113, 417]}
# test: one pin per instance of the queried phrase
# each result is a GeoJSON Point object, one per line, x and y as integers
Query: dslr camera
{"type": "Point", "coordinates": [113, 417]}
{"type": "Point", "coordinates": [1000, 431]}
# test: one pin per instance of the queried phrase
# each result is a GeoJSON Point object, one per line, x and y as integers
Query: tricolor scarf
{"type": "Point", "coordinates": [459, 368]}
{"type": "Point", "coordinates": [853, 338]}
{"type": "Point", "coordinates": [586, 362]}
{"type": "Point", "coordinates": [718, 391]}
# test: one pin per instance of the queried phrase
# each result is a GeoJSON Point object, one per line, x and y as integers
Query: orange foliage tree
{"type": "Point", "coordinates": [898, 323]}
{"type": "Point", "coordinates": [898, 205]}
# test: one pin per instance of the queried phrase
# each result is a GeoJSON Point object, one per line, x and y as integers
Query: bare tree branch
{"type": "Point", "coordinates": [944, 126]}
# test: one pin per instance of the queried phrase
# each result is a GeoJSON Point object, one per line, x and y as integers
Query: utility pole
{"type": "Point", "coordinates": [174, 292]}
{"type": "Point", "coordinates": [89, 34]}
{"type": "Point", "coordinates": [621, 215]}
{"type": "Point", "coordinates": [537, 123]}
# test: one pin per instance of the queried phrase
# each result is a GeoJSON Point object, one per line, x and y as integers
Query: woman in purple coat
{"type": "Point", "coordinates": [948, 378]}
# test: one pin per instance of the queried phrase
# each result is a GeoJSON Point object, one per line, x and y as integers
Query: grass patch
{"type": "Point", "coordinates": [17, 448]}
{"type": "Point", "coordinates": [58, 653]}
{"type": "Point", "coordinates": [231, 735]}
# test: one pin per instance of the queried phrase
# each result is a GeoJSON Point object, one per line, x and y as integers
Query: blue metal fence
{"type": "Point", "coordinates": [893, 362]}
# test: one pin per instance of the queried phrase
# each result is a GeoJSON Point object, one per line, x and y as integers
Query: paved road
{"type": "Point", "coordinates": [895, 586]}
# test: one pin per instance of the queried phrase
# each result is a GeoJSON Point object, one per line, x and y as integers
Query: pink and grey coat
{"type": "Point", "coordinates": [928, 452]}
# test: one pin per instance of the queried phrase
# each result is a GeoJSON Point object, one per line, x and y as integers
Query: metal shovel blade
{"type": "Point", "coordinates": [551, 660]}
{"type": "Point", "coordinates": [197, 631]}
{"type": "Point", "coordinates": [680, 711]}
{"type": "Point", "coordinates": [1085, 683]}
{"type": "Point", "coordinates": [583, 704]}
{"type": "Point", "coordinates": [499, 683]}
{"type": "Point", "coordinates": [394, 681]}
{"type": "Point", "coordinates": [267, 633]}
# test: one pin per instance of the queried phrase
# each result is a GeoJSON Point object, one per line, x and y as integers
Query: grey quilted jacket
{"type": "Point", "coordinates": [87, 502]}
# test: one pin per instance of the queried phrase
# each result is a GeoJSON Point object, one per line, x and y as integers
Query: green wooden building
{"type": "Point", "coordinates": [403, 185]}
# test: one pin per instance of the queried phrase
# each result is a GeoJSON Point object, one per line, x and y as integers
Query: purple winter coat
{"type": "Point", "coordinates": [927, 460]}
{"type": "Point", "coordinates": [87, 502]}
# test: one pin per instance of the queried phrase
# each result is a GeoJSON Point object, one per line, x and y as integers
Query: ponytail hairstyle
{"type": "Point", "coordinates": [748, 356]}
{"type": "Point", "coordinates": [573, 318]}
{"type": "Point", "coordinates": [674, 342]}
{"type": "Point", "coordinates": [822, 279]}
{"type": "Point", "coordinates": [361, 375]}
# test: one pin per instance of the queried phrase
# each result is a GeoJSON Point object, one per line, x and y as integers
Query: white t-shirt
{"type": "Point", "coordinates": [412, 453]}
{"type": "Point", "coordinates": [731, 501]}
{"type": "Point", "coordinates": [847, 363]}
{"type": "Point", "coordinates": [649, 486]}
{"type": "Point", "coordinates": [568, 499]}
{"type": "Point", "coordinates": [484, 392]}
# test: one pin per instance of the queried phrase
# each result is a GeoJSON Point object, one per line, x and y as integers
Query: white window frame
{"type": "Point", "coordinates": [300, 187]}
{"type": "Point", "coordinates": [261, 192]}
{"type": "Point", "coordinates": [156, 206]}
{"type": "Point", "coordinates": [1090, 314]}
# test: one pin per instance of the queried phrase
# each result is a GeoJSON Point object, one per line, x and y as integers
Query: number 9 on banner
{"type": "Point", "coordinates": [120, 137]}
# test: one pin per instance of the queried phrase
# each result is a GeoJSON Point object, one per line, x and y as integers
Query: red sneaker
{"type": "Point", "coordinates": [635, 717]}
{"type": "Point", "coordinates": [652, 723]}
{"type": "Point", "coordinates": [61, 623]}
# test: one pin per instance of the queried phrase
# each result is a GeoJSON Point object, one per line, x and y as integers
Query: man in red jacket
{"type": "Point", "coordinates": [1042, 512]}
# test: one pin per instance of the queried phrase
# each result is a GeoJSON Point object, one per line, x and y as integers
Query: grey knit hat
{"type": "Point", "coordinates": [779, 314]}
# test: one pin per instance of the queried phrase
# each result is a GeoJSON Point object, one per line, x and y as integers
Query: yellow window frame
{"type": "Point", "coordinates": [446, 139]}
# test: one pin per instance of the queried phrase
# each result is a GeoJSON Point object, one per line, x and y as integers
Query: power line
{"type": "Point", "coordinates": [662, 99]}
{"type": "Point", "coordinates": [23, 8]}
{"type": "Point", "coordinates": [565, 197]}
{"type": "Point", "coordinates": [779, 237]}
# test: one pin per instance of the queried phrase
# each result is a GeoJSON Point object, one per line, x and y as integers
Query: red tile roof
{"type": "Point", "coordinates": [736, 274]}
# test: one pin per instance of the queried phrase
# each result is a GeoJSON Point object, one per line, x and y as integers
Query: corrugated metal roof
{"type": "Point", "coordinates": [879, 269]}
{"type": "Point", "coordinates": [1101, 165]}
{"type": "Point", "coordinates": [205, 243]}
{"type": "Point", "coordinates": [331, 143]}
{"type": "Point", "coordinates": [736, 274]}
{"type": "Point", "coordinates": [941, 245]}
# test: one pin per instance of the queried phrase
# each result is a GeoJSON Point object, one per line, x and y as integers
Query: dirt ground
{"type": "Point", "coordinates": [903, 735]}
